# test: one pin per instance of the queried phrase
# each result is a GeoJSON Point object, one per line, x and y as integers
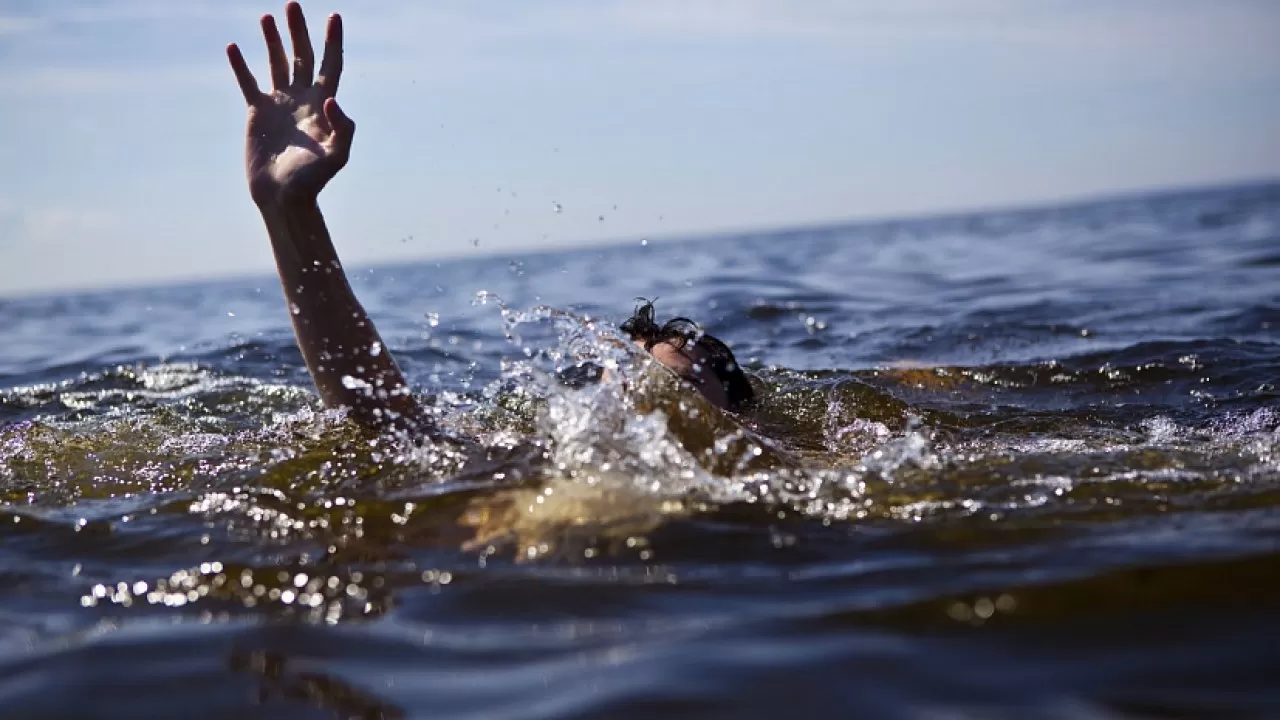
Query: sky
{"type": "Point", "coordinates": [122, 125]}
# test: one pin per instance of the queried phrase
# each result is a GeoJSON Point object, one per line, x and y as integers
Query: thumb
{"type": "Point", "coordinates": [343, 126]}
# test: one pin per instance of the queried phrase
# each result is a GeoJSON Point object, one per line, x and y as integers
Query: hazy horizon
{"type": "Point", "coordinates": [267, 274]}
{"type": "Point", "coordinates": [657, 119]}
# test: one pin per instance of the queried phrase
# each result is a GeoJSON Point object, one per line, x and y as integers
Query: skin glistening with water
{"type": "Point", "coordinates": [297, 138]}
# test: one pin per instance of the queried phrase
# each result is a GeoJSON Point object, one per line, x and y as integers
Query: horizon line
{"type": "Point", "coordinates": [1030, 206]}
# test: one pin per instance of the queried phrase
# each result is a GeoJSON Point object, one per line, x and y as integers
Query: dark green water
{"type": "Point", "coordinates": [1011, 465]}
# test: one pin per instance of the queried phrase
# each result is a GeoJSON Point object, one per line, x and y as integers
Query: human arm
{"type": "Point", "coordinates": [296, 140]}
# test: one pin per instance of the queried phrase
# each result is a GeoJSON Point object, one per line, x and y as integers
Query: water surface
{"type": "Point", "coordinates": [1016, 464]}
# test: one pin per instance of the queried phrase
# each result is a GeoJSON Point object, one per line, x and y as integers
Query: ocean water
{"type": "Point", "coordinates": [1006, 465]}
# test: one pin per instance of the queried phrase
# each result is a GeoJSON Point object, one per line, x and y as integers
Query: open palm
{"type": "Point", "coordinates": [297, 138]}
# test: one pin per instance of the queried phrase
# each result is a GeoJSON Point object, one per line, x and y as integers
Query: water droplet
{"type": "Point", "coordinates": [557, 207]}
{"type": "Point", "coordinates": [351, 382]}
{"type": "Point", "coordinates": [375, 349]}
{"type": "Point", "coordinates": [433, 319]}
{"type": "Point", "coordinates": [644, 242]}
{"type": "Point", "coordinates": [984, 608]}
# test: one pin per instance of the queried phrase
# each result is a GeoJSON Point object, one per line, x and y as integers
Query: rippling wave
{"type": "Point", "coordinates": [1005, 465]}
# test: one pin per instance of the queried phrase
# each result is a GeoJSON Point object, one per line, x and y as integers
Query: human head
{"type": "Point", "coordinates": [696, 357]}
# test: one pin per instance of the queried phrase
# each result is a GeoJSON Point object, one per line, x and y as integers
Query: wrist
{"type": "Point", "coordinates": [298, 234]}
{"type": "Point", "coordinates": [280, 200]}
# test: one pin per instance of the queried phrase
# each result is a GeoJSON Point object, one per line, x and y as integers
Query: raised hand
{"type": "Point", "coordinates": [296, 141]}
{"type": "Point", "coordinates": [297, 138]}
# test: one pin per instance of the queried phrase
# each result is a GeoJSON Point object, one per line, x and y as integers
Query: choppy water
{"type": "Point", "coordinates": [1008, 465]}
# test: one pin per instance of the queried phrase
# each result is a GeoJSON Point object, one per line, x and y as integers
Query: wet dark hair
{"type": "Point", "coordinates": [642, 327]}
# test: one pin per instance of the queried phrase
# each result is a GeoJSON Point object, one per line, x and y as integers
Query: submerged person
{"type": "Point", "coordinates": [296, 140]}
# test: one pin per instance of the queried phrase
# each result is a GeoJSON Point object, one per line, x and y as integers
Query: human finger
{"type": "Point", "coordinates": [244, 76]}
{"type": "Point", "coordinates": [331, 65]}
{"type": "Point", "coordinates": [276, 58]}
{"type": "Point", "coordinates": [344, 128]}
{"type": "Point", "coordinates": [304, 58]}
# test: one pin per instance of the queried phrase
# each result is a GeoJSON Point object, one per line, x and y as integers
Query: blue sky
{"type": "Point", "coordinates": [123, 125]}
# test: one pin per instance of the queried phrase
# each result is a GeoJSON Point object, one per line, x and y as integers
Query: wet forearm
{"type": "Point", "coordinates": [347, 359]}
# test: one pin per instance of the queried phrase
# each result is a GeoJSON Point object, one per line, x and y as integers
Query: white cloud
{"type": "Point", "coordinates": [148, 78]}
{"type": "Point", "coordinates": [133, 11]}
{"type": "Point", "coordinates": [43, 226]}
{"type": "Point", "coordinates": [1078, 24]}
{"type": "Point", "coordinates": [1166, 40]}
{"type": "Point", "coordinates": [813, 19]}
{"type": "Point", "coordinates": [55, 224]}
{"type": "Point", "coordinates": [106, 80]}
{"type": "Point", "coordinates": [1171, 38]}
{"type": "Point", "coordinates": [36, 239]}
